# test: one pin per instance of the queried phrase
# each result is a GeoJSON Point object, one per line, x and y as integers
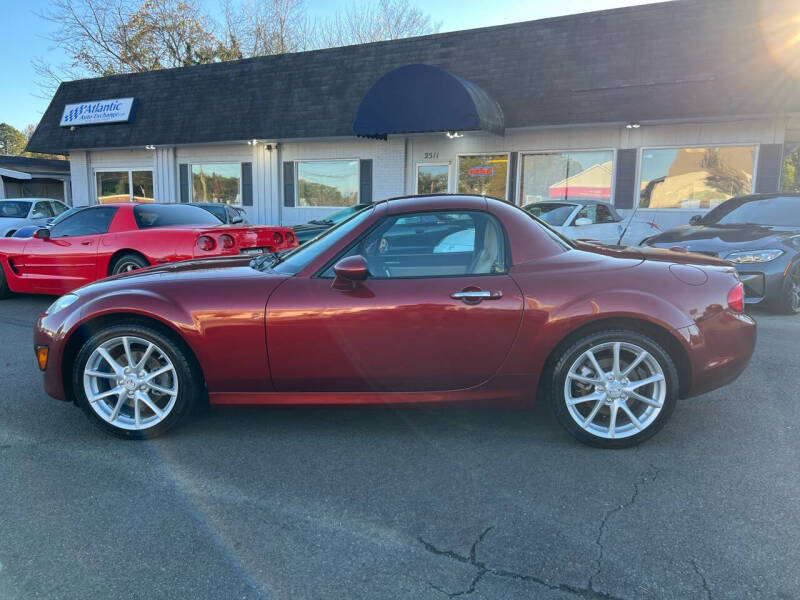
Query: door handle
{"type": "Point", "coordinates": [86, 243]}
{"type": "Point", "coordinates": [477, 295]}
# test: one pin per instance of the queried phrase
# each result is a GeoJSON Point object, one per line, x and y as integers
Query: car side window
{"type": "Point", "coordinates": [433, 244]}
{"type": "Point", "coordinates": [597, 213]}
{"type": "Point", "coordinates": [91, 221]}
{"type": "Point", "coordinates": [41, 210]}
{"type": "Point", "coordinates": [59, 208]}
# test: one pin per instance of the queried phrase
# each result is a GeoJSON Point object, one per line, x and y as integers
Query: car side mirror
{"type": "Point", "coordinates": [237, 219]}
{"type": "Point", "coordinates": [42, 233]}
{"type": "Point", "coordinates": [582, 222]}
{"type": "Point", "coordinates": [695, 220]}
{"type": "Point", "coordinates": [349, 271]}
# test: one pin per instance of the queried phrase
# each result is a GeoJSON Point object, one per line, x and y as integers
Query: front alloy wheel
{"type": "Point", "coordinates": [789, 299]}
{"type": "Point", "coordinates": [134, 381]}
{"type": "Point", "coordinates": [614, 389]}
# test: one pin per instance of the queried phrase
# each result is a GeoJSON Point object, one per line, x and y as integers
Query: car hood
{"type": "Point", "coordinates": [720, 240]}
{"type": "Point", "coordinates": [188, 277]}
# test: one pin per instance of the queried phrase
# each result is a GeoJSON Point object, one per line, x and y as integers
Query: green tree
{"type": "Point", "coordinates": [12, 141]}
{"type": "Point", "coordinates": [790, 177]}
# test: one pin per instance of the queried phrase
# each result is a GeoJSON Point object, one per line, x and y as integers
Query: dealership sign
{"type": "Point", "coordinates": [481, 171]}
{"type": "Point", "coordinates": [113, 110]}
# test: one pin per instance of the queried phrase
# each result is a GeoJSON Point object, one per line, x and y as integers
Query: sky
{"type": "Point", "coordinates": [24, 37]}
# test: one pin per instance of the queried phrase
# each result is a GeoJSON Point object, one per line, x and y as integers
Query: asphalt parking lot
{"type": "Point", "coordinates": [416, 503]}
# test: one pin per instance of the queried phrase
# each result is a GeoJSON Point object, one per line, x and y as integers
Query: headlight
{"type": "Point", "coordinates": [754, 256]}
{"type": "Point", "coordinates": [61, 303]}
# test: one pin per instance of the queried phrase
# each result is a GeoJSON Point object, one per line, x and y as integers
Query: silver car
{"type": "Point", "coordinates": [19, 212]}
{"type": "Point", "coordinates": [591, 220]}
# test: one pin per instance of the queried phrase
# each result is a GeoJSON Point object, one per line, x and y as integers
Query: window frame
{"type": "Point", "coordinates": [507, 258]}
{"type": "Point", "coordinates": [637, 189]}
{"type": "Point", "coordinates": [447, 164]}
{"type": "Point", "coordinates": [524, 153]}
{"type": "Point", "coordinates": [129, 171]}
{"type": "Point", "coordinates": [506, 153]}
{"type": "Point", "coordinates": [296, 162]}
{"type": "Point", "coordinates": [191, 165]}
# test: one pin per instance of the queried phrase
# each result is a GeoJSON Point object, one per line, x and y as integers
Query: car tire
{"type": "Point", "coordinates": [129, 262]}
{"type": "Point", "coordinates": [613, 399]}
{"type": "Point", "coordinates": [5, 291]}
{"type": "Point", "coordinates": [788, 302]}
{"type": "Point", "coordinates": [168, 381]}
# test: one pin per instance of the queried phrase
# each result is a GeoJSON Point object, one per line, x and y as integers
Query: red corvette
{"type": "Point", "coordinates": [422, 299]}
{"type": "Point", "coordinates": [90, 243]}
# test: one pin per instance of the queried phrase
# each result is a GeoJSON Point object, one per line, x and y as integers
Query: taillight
{"type": "Point", "coordinates": [205, 242]}
{"type": "Point", "coordinates": [289, 237]}
{"type": "Point", "coordinates": [277, 238]}
{"type": "Point", "coordinates": [226, 241]}
{"type": "Point", "coordinates": [736, 297]}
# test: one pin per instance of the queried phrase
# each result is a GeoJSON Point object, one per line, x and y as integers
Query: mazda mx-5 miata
{"type": "Point", "coordinates": [385, 308]}
{"type": "Point", "coordinates": [90, 243]}
{"type": "Point", "coordinates": [760, 234]}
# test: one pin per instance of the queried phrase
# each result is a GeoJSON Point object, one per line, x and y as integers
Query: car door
{"type": "Point", "coordinates": [68, 259]}
{"type": "Point", "coordinates": [603, 228]}
{"type": "Point", "coordinates": [442, 317]}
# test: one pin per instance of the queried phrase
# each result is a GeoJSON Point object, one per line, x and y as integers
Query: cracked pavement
{"type": "Point", "coordinates": [413, 503]}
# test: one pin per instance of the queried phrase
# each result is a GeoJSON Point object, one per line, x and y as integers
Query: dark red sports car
{"type": "Point", "coordinates": [413, 300]}
{"type": "Point", "coordinates": [90, 243]}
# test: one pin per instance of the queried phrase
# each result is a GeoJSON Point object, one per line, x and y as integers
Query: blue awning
{"type": "Point", "coordinates": [421, 98]}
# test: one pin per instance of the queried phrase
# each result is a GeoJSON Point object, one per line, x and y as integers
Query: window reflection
{"type": "Point", "coordinates": [483, 174]}
{"type": "Point", "coordinates": [433, 179]}
{"type": "Point", "coordinates": [567, 176]}
{"type": "Point", "coordinates": [327, 183]}
{"type": "Point", "coordinates": [217, 182]}
{"type": "Point", "coordinates": [695, 178]}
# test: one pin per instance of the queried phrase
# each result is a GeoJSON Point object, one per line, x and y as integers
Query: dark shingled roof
{"type": "Point", "coordinates": [684, 60]}
{"type": "Point", "coordinates": [27, 164]}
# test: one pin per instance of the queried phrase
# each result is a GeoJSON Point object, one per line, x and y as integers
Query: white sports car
{"type": "Point", "coordinates": [591, 220]}
{"type": "Point", "coordinates": [19, 212]}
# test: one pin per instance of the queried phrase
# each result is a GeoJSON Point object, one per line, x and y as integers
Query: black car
{"type": "Point", "coordinates": [314, 227]}
{"type": "Point", "coordinates": [224, 212]}
{"type": "Point", "coordinates": [760, 235]}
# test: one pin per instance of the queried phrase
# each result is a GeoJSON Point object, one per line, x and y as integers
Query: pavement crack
{"type": "Point", "coordinates": [697, 570]}
{"type": "Point", "coordinates": [644, 479]}
{"type": "Point", "coordinates": [483, 570]}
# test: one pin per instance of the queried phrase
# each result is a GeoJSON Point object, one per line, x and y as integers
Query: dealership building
{"type": "Point", "coordinates": [671, 107]}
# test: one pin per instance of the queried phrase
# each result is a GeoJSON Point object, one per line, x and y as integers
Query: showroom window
{"type": "Point", "coordinates": [124, 186]}
{"type": "Point", "coordinates": [694, 178]}
{"type": "Point", "coordinates": [567, 176]}
{"type": "Point", "coordinates": [330, 183]}
{"type": "Point", "coordinates": [217, 182]}
{"type": "Point", "coordinates": [433, 178]}
{"type": "Point", "coordinates": [484, 174]}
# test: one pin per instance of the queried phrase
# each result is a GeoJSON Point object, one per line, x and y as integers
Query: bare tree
{"type": "Point", "coordinates": [104, 37]}
{"type": "Point", "coordinates": [373, 22]}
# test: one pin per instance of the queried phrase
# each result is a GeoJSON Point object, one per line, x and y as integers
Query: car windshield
{"type": "Point", "coordinates": [166, 215]}
{"type": "Point", "coordinates": [14, 209]}
{"type": "Point", "coordinates": [341, 215]}
{"type": "Point", "coordinates": [780, 211]}
{"type": "Point", "coordinates": [552, 213]}
{"type": "Point", "coordinates": [66, 214]}
{"type": "Point", "coordinates": [294, 261]}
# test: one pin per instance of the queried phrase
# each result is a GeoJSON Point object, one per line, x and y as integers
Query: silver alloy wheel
{"type": "Point", "coordinates": [615, 390]}
{"type": "Point", "coordinates": [130, 382]}
{"type": "Point", "coordinates": [126, 267]}
{"type": "Point", "coordinates": [794, 282]}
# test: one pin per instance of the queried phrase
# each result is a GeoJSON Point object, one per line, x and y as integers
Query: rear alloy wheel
{"type": "Point", "coordinates": [614, 389]}
{"type": "Point", "coordinates": [133, 381]}
{"type": "Point", "coordinates": [789, 301]}
{"type": "Point", "coordinates": [127, 263]}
